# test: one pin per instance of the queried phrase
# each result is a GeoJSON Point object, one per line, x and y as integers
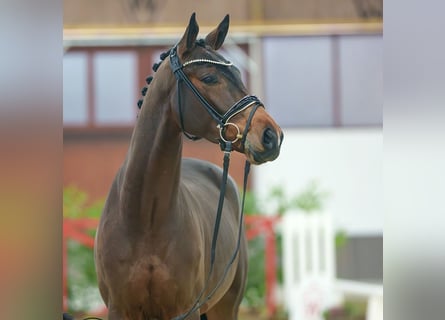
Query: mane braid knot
{"type": "Point", "coordinates": [156, 66]}
{"type": "Point", "coordinates": [164, 55]}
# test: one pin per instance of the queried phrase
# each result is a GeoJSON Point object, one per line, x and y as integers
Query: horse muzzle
{"type": "Point", "coordinates": [270, 147]}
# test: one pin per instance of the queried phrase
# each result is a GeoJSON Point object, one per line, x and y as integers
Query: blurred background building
{"type": "Point", "coordinates": [317, 65]}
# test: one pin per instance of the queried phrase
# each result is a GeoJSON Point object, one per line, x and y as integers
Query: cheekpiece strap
{"type": "Point", "coordinates": [174, 61]}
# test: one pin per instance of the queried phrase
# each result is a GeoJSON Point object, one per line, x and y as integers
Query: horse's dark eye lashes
{"type": "Point", "coordinates": [209, 79]}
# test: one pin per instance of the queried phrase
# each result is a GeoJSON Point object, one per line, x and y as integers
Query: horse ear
{"type": "Point", "coordinates": [187, 41]}
{"type": "Point", "coordinates": [215, 39]}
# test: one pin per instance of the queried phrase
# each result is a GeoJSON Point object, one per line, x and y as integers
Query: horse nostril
{"type": "Point", "coordinates": [269, 138]}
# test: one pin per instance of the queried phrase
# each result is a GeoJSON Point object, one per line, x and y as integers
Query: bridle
{"type": "Point", "coordinates": [223, 121]}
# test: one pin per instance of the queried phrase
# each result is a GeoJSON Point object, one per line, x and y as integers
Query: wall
{"type": "Point", "coordinates": [347, 163]}
{"type": "Point", "coordinates": [90, 161]}
{"type": "Point", "coordinates": [167, 12]}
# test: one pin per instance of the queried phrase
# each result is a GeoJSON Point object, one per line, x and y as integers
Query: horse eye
{"type": "Point", "coordinates": [209, 79]}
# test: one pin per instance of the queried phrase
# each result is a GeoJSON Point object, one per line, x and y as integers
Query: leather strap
{"type": "Point", "coordinates": [197, 304]}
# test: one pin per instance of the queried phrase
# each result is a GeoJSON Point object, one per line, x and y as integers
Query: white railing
{"type": "Point", "coordinates": [310, 284]}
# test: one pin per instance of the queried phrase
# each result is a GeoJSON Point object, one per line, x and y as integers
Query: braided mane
{"type": "Point", "coordinates": [163, 55]}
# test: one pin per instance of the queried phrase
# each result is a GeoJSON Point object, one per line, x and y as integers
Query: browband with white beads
{"type": "Point", "coordinates": [221, 63]}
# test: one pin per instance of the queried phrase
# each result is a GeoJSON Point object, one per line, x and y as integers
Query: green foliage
{"type": "Point", "coordinates": [310, 199]}
{"type": "Point", "coordinates": [256, 286]}
{"type": "Point", "coordinates": [349, 310]}
{"type": "Point", "coordinates": [251, 205]}
{"type": "Point", "coordinates": [75, 204]}
{"type": "Point", "coordinates": [355, 308]}
{"type": "Point", "coordinates": [340, 239]}
{"type": "Point", "coordinates": [83, 294]}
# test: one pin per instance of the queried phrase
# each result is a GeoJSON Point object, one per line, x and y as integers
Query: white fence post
{"type": "Point", "coordinates": [309, 265]}
{"type": "Point", "coordinates": [310, 284]}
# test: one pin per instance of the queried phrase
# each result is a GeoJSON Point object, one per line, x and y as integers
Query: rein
{"type": "Point", "coordinates": [222, 121]}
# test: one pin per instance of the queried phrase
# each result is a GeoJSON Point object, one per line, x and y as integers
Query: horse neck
{"type": "Point", "coordinates": [152, 168]}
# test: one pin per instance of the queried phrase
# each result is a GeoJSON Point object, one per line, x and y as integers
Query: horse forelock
{"type": "Point", "coordinates": [201, 42]}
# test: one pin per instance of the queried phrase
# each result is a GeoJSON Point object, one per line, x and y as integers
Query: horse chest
{"type": "Point", "coordinates": [157, 285]}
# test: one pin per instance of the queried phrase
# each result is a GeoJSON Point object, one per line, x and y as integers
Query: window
{"type": "Point", "coordinates": [102, 85]}
{"type": "Point", "coordinates": [75, 91]}
{"type": "Point", "coordinates": [115, 88]}
{"type": "Point", "coordinates": [324, 80]}
{"type": "Point", "coordinates": [361, 74]}
{"type": "Point", "coordinates": [100, 88]}
{"type": "Point", "coordinates": [297, 79]}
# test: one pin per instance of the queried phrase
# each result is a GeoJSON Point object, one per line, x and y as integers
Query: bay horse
{"type": "Point", "coordinates": [153, 243]}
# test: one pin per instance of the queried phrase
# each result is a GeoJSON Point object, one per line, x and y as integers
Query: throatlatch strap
{"type": "Point", "coordinates": [181, 115]}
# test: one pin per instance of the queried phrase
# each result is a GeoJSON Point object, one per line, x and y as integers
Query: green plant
{"type": "Point", "coordinates": [308, 200]}
{"type": "Point", "coordinates": [83, 294]}
{"type": "Point", "coordinates": [349, 310]}
{"type": "Point", "coordinates": [75, 204]}
{"type": "Point", "coordinates": [256, 286]}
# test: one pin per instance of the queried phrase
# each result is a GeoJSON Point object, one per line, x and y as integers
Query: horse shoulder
{"type": "Point", "coordinates": [201, 181]}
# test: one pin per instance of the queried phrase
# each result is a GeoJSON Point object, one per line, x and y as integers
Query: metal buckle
{"type": "Point", "coordinates": [221, 128]}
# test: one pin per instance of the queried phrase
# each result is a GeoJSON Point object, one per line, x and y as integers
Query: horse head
{"type": "Point", "coordinates": [212, 102]}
